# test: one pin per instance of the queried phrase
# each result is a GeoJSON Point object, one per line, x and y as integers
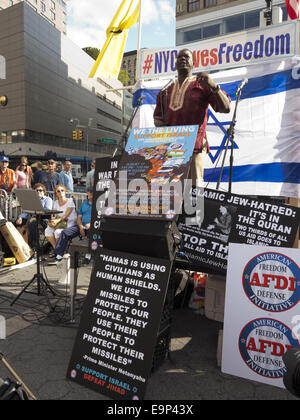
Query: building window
{"type": "Point", "coordinates": [52, 4]}
{"type": "Point", "coordinates": [226, 25]}
{"type": "Point", "coordinates": [210, 3]}
{"type": "Point", "coordinates": [193, 5]}
{"type": "Point", "coordinates": [43, 6]}
{"type": "Point", "coordinates": [106, 114]}
{"type": "Point", "coordinates": [52, 14]}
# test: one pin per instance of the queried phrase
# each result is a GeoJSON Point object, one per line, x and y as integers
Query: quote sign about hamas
{"type": "Point", "coordinates": [114, 348]}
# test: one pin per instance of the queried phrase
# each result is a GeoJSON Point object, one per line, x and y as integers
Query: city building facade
{"type": "Point", "coordinates": [197, 20]}
{"type": "Point", "coordinates": [47, 87]}
{"type": "Point", "coordinates": [129, 65]}
{"type": "Point", "coordinates": [54, 11]}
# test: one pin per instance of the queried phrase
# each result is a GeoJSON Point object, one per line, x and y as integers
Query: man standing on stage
{"type": "Point", "coordinates": [185, 102]}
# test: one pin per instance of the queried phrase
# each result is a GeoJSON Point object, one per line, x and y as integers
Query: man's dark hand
{"type": "Point", "coordinates": [205, 80]}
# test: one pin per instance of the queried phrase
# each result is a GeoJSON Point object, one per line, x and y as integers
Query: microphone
{"type": "Point", "coordinates": [141, 98]}
{"type": "Point", "coordinates": [242, 84]}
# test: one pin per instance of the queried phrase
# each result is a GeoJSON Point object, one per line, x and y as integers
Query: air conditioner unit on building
{"type": "Point", "coordinates": [276, 16]}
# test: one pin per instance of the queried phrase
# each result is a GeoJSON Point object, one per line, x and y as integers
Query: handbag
{"type": "Point", "coordinates": [61, 225]}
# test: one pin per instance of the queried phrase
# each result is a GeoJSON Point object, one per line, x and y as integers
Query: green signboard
{"type": "Point", "coordinates": [111, 141]}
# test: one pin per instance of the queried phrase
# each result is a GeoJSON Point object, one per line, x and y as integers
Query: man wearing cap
{"type": "Point", "coordinates": [7, 176]}
{"type": "Point", "coordinates": [82, 228]}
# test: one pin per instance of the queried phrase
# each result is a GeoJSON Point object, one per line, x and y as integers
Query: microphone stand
{"type": "Point", "coordinates": [122, 144]}
{"type": "Point", "coordinates": [230, 135]}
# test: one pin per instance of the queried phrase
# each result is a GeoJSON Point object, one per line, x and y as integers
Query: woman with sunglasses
{"type": "Point", "coordinates": [68, 214]}
{"type": "Point", "coordinates": [47, 204]}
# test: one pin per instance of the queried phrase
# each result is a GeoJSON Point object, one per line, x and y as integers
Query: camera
{"type": "Point", "coordinates": [10, 390]}
{"type": "Point", "coordinates": [291, 379]}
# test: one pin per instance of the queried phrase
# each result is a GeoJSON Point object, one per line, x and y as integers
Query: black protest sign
{"type": "Point", "coordinates": [105, 171]}
{"type": "Point", "coordinates": [113, 352]}
{"type": "Point", "coordinates": [238, 219]}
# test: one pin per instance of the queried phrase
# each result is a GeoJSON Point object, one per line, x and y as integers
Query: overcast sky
{"type": "Point", "coordinates": [89, 19]}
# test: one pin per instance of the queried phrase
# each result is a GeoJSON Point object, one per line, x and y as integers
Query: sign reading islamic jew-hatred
{"type": "Point", "coordinates": [151, 174]}
{"type": "Point", "coordinates": [113, 352]}
{"type": "Point", "coordinates": [238, 219]}
{"type": "Point", "coordinates": [105, 172]}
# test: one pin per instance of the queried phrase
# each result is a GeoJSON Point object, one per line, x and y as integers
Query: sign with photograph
{"type": "Point", "coordinates": [153, 167]}
{"type": "Point", "coordinates": [114, 348]}
{"type": "Point", "coordinates": [238, 219]}
{"type": "Point", "coordinates": [261, 319]}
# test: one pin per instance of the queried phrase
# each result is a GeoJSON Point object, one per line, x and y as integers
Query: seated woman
{"type": "Point", "coordinates": [30, 221]}
{"type": "Point", "coordinates": [82, 228]}
{"type": "Point", "coordinates": [68, 215]}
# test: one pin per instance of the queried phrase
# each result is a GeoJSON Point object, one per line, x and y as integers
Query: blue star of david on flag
{"type": "Point", "coordinates": [223, 126]}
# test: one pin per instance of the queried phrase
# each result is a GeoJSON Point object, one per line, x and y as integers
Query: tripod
{"type": "Point", "coordinates": [42, 283]}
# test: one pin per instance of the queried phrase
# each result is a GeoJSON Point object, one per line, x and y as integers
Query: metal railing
{"type": "Point", "coordinates": [10, 207]}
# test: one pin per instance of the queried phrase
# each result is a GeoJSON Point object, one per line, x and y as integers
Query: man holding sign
{"type": "Point", "coordinates": [186, 101]}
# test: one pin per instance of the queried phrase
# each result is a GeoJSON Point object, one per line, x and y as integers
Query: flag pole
{"type": "Point", "coordinates": [139, 44]}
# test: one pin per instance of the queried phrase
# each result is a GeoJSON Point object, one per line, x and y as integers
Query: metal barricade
{"type": "Point", "coordinates": [4, 203]}
{"type": "Point", "coordinates": [9, 206]}
{"type": "Point", "coordinates": [11, 209]}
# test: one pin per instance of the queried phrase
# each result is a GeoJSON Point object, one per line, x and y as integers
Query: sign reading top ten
{"type": "Point", "coordinates": [248, 47]}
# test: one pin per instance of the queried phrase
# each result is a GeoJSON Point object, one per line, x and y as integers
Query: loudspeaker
{"type": "Point", "coordinates": [158, 239]}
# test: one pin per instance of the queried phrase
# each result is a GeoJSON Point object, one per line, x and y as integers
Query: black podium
{"type": "Point", "coordinates": [159, 239]}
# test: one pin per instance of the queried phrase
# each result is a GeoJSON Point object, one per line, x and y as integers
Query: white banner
{"type": "Point", "coordinates": [261, 312]}
{"type": "Point", "coordinates": [239, 49]}
{"type": "Point", "coordinates": [267, 130]}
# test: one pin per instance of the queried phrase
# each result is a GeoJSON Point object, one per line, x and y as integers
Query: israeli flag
{"type": "Point", "coordinates": [266, 144]}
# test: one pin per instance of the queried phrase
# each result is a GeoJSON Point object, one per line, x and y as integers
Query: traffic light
{"type": "Point", "coordinates": [80, 135]}
{"type": "Point", "coordinates": [3, 100]}
{"type": "Point", "coordinates": [75, 134]}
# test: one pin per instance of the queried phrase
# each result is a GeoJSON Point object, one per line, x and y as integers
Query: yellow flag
{"type": "Point", "coordinates": [108, 63]}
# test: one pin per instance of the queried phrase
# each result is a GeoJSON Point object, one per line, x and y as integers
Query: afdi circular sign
{"type": "Point", "coordinates": [262, 343]}
{"type": "Point", "coordinates": [271, 281]}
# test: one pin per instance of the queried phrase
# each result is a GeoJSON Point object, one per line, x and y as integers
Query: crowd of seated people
{"type": "Point", "coordinates": [54, 195]}
{"type": "Point", "coordinates": [59, 229]}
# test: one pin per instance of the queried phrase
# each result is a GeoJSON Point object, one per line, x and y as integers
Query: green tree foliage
{"type": "Point", "coordinates": [123, 77]}
{"type": "Point", "coordinates": [92, 52]}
